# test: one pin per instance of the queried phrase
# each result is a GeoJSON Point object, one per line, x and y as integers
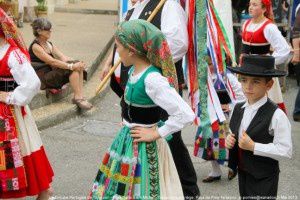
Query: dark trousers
{"type": "Point", "coordinates": [297, 104]}
{"type": "Point", "coordinates": [253, 188]}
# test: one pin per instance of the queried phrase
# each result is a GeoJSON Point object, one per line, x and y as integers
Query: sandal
{"type": "Point", "coordinates": [82, 103]}
{"type": "Point", "coordinates": [210, 179]}
{"type": "Point", "coordinates": [231, 174]}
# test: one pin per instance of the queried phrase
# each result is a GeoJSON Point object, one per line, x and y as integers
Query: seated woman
{"type": "Point", "coordinates": [53, 67]}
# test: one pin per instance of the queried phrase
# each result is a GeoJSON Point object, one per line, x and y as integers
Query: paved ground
{"type": "Point", "coordinates": [94, 4]}
{"type": "Point", "coordinates": [75, 149]}
{"type": "Point", "coordinates": [79, 36]}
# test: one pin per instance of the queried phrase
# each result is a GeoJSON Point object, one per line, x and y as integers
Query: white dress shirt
{"type": "Point", "coordinates": [24, 75]}
{"type": "Point", "coordinates": [280, 128]}
{"type": "Point", "coordinates": [173, 26]}
{"type": "Point", "coordinates": [274, 37]}
{"type": "Point", "coordinates": [166, 97]}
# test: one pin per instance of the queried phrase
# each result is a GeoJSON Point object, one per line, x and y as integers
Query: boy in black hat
{"type": "Point", "coordinates": [261, 132]}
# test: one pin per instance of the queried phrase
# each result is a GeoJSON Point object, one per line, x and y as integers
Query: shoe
{"type": "Point", "coordinates": [211, 179]}
{"type": "Point", "coordinates": [82, 103]}
{"type": "Point", "coordinates": [51, 91]}
{"type": "Point", "coordinates": [231, 174]}
{"type": "Point", "coordinates": [296, 117]}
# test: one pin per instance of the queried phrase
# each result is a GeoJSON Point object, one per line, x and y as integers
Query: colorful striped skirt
{"type": "Point", "coordinates": [24, 166]}
{"type": "Point", "coordinates": [137, 171]}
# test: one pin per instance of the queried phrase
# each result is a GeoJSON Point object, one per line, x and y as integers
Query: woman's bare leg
{"type": "Point", "coordinates": [75, 84]}
{"type": "Point", "coordinates": [81, 82]}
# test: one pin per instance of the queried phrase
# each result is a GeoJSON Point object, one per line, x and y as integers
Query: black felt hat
{"type": "Point", "coordinates": [258, 65]}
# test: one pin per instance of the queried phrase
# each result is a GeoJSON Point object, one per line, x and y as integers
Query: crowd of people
{"type": "Point", "coordinates": [148, 158]}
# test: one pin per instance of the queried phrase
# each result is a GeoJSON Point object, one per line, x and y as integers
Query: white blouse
{"type": "Point", "coordinates": [275, 38]}
{"type": "Point", "coordinates": [173, 26]}
{"type": "Point", "coordinates": [280, 128]}
{"type": "Point", "coordinates": [23, 74]}
{"type": "Point", "coordinates": [166, 97]}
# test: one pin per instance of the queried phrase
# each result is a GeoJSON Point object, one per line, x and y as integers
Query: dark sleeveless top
{"type": "Point", "coordinates": [33, 57]}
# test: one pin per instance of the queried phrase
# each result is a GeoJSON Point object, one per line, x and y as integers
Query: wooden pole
{"type": "Point", "coordinates": [111, 71]}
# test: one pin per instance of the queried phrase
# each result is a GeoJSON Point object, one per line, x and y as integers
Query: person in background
{"type": "Point", "coordinates": [227, 106]}
{"type": "Point", "coordinates": [259, 35]}
{"type": "Point", "coordinates": [21, 13]}
{"type": "Point", "coordinates": [53, 67]}
{"type": "Point", "coordinates": [296, 60]}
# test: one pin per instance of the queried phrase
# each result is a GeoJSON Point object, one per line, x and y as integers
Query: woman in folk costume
{"type": "Point", "coordinates": [24, 167]}
{"type": "Point", "coordinates": [227, 105]}
{"type": "Point", "coordinates": [139, 164]}
{"type": "Point", "coordinates": [259, 34]}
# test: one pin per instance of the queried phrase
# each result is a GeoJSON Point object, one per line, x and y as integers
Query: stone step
{"type": "Point", "coordinates": [63, 109]}
{"type": "Point", "coordinates": [106, 7]}
{"type": "Point", "coordinates": [85, 11]}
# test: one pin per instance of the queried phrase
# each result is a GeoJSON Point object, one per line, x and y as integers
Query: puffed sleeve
{"type": "Point", "coordinates": [166, 97]}
{"type": "Point", "coordinates": [236, 87]}
{"type": "Point", "coordinates": [278, 43]}
{"type": "Point", "coordinates": [174, 27]}
{"type": "Point", "coordinates": [26, 78]}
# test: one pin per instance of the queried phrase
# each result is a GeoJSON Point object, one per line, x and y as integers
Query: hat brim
{"type": "Point", "coordinates": [240, 70]}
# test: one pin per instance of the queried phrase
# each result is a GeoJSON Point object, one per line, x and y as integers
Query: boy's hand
{"type": "Point", "coordinates": [141, 134]}
{"type": "Point", "coordinates": [246, 143]}
{"type": "Point", "coordinates": [230, 141]}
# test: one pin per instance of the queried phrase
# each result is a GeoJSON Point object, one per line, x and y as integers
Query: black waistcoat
{"type": "Point", "coordinates": [7, 85]}
{"type": "Point", "coordinates": [140, 115]}
{"type": "Point", "coordinates": [253, 49]}
{"type": "Point", "coordinates": [156, 21]}
{"type": "Point", "coordinates": [258, 131]}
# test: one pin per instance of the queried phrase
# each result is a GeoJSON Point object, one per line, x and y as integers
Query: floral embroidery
{"type": "Point", "coordinates": [146, 40]}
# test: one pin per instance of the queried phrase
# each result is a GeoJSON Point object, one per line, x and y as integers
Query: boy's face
{"type": "Point", "coordinates": [255, 88]}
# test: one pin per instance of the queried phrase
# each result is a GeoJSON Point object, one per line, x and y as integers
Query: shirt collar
{"type": "Point", "coordinates": [141, 3]}
{"type": "Point", "coordinates": [257, 104]}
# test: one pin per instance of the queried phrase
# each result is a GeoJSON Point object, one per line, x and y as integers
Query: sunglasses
{"type": "Point", "coordinates": [47, 29]}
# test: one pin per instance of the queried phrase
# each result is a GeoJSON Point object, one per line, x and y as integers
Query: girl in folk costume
{"type": "Point", "coordinates": [24, 167]}
{"type": "Point", "coordinates": [139, 164]}
{"type": "Point", "coordinates": [259, 34]}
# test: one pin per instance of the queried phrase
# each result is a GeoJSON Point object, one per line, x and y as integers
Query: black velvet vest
{"type": "Point", "coordinates": [7, 85]}
{"type": "Point", "coordinates": [140, 115]}
{"type": "Point", "coordinates": [258, 131]}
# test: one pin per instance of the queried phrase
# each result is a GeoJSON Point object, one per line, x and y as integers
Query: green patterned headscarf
{"type": "Point", "coordinates": [146, 40]}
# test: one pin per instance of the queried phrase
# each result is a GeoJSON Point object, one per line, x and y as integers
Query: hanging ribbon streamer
{"type": "Point", "coordinates": [204, 130]}
{"type": "Point", "coordinates": [207, 35]}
